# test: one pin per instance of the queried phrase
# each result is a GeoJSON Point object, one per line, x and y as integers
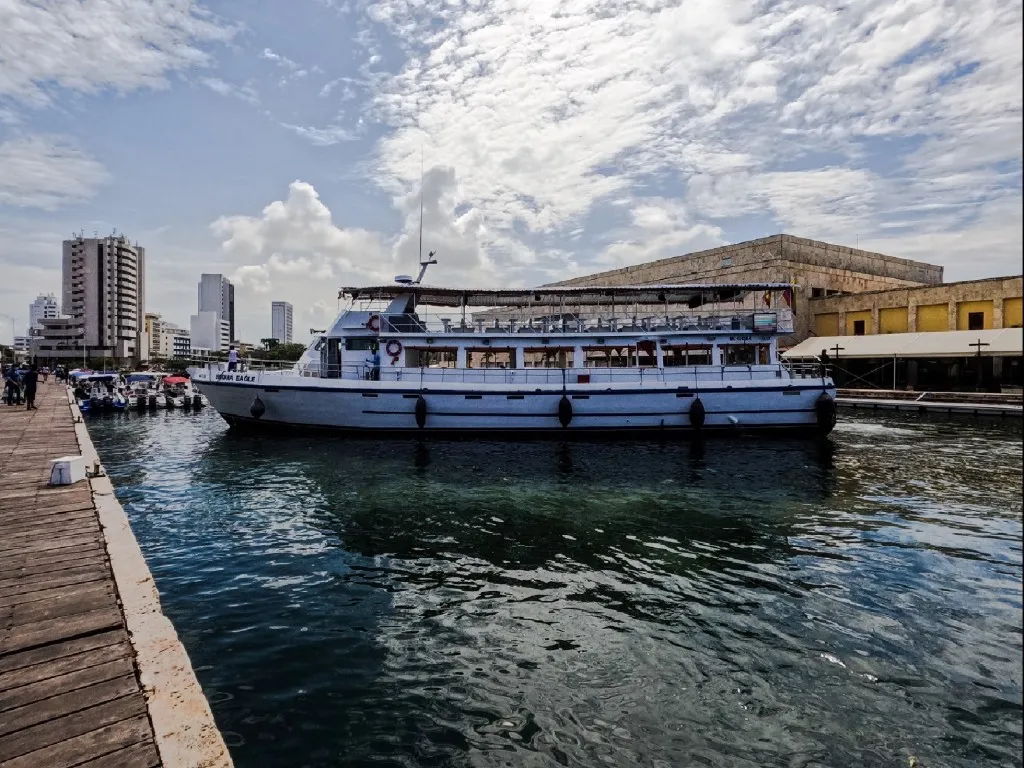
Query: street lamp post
{"type": "Point", "coordinates": [978, 345]}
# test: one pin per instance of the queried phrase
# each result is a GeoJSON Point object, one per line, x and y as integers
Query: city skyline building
{"type": "Point", "coordinates": [166, 339]}
{"type": "Point", "coordinates": [45, 307]}
{"type": "Point", "coordinates": [208, 331]}
{"type": "Point", "coordinates": [281, 321]}
{"type": "Point", "coordinates": [104, 294]}
{"type": "Point", "coordinates": [217, 294]}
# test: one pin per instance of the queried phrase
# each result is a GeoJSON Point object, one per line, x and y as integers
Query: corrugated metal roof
{"type": "Point", "coordinates": [1001, 342]}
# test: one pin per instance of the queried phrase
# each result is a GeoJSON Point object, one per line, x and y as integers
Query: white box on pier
{"type": "Point", "coordinates": [67, 470]}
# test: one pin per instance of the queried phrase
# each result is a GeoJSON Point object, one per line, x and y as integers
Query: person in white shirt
{"type": "Point", "coordinates": [232, 359]}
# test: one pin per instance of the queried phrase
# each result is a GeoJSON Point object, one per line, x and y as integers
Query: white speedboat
{"type": "Point", "coordinates": [565, 360]}
{"type": "Point", "coordinates": [141, 388]}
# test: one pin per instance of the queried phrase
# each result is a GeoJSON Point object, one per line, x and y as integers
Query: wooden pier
{"type": "Point", "coordinates": [70, 690]}
{"type": "Point", "coordinates": [970, 403]}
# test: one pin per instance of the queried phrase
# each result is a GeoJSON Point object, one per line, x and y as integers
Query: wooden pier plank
{"type": "Point", "coordinates": [69, 691]}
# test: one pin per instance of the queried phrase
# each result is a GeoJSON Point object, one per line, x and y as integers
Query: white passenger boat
{"type": "Point", "coordinates": [566, 360]}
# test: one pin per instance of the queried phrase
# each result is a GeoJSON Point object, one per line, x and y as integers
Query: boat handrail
{"type": "Point", "coordinates": [705, 319]}
{"type": "Point", "coordinates": [551, 375]}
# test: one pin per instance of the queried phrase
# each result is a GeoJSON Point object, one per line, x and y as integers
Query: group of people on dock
{"type": "Point", "coordinates": [20, 384]}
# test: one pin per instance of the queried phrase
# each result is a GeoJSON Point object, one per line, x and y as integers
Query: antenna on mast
{"type": "Point", "coordinates": [430, 256]}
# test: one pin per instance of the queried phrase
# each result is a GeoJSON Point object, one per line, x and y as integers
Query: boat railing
{"type": "Point", "coordinates": [806, 370]}
{"type": "Point", "coordinates": [705, 319]}
{"type": "Point", "coordinates": [552, 376]}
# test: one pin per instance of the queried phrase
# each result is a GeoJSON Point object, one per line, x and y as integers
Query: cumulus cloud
{"type": "Point", "coordinates": [820, 116]}
{"type": "Point", "coordinates": [46, 172]}
{"type": "Point", "coordinates": [100, 44]}
{"type": "Point", "coordinates": [293, 251]}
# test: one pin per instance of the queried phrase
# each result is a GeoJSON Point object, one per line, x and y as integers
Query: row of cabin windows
{"type": "Point", "coordinates": [643, 356]}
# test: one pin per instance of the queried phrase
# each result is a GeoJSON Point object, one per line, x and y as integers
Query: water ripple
{"type": "Point", "coordinates": [734, 603]}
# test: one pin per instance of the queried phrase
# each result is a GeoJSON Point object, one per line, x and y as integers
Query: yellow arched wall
{"type": "Point", "coordinates": [933, 317]}
{"type": "Point", "coordinates": [1012, 313]}
{"type": "Point", "coordinates": [852, 317]}
{"type": "Point", "coordinates": [893, 320]}
{"type": "Point", "coordinates": [964, 308]}
{"type": "Point", "coordinates": [827, 325]}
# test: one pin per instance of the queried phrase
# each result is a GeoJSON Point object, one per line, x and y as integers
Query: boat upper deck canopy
{"type": "Point", "coordinates": [694, 295]}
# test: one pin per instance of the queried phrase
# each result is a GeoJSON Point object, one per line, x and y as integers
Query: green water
{"type": "Point", "coordinates": [741, 602]}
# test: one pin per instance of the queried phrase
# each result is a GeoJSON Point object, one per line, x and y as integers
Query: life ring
{"type": "Point", "coordinates": [374, 323]}
{"type": "Point", "coordinates": [393, 349]}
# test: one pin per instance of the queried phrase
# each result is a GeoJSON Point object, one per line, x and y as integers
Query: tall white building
{"type": "Point", "coordinates": [209, 332]}
{"type": "Point", "coordinates": [217, 294]}
{"type": "Point", "coordinates": [104, 292]}
{"type": "Point", "coordinates": [281, 321]}
{"type": "Point", "coordinates": [43, 308]}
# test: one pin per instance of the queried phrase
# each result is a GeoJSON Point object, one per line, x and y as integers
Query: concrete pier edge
{"type": "Point", "coordinates": [183, 724]}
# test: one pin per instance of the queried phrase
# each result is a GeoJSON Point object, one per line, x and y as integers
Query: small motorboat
{"type": "Point", "coordinates": [177, 392]}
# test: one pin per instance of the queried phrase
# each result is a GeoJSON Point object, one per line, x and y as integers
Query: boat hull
{"type": "Point", "coordinates": [295, 403]}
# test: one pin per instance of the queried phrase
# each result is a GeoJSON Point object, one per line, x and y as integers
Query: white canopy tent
{"type": "Point", "coordinates": [1003, 342]}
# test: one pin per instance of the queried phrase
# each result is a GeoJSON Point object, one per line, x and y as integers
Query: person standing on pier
{"type": "Point", "coordinates": [31, 380]}
{"type": "Point", "coordinates": [11, 386]}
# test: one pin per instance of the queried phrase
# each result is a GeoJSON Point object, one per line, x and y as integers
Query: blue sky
{"type": "Point", "coordinates": [280, 142]}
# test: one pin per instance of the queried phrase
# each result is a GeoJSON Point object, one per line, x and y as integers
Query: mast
{"type": "Point", "coordinates": [430, 256]}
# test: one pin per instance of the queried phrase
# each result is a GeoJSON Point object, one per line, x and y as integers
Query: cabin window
{"type": "Point", "coordinates": [684, 355]}
{"type": "Point", "coordinates": [501, 357]}
{"type": "Point", "coordinates": [430, 357]}
{"type": "Point", "coordinates": [739, 354]}
{"type": "Point", "coordinates": [360, 345]}
{"type": "Point", "coordinates": [607, 357]}
{"type": "Point", "coordinates": [548, 357]}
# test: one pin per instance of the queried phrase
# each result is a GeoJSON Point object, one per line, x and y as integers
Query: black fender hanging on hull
{"type": "Point", "coordinates": [564, 411]}
{"type": "Point", "coordinates": [698, 415]}
{"type": "Point", "coordinates": [825, 412]}
{"type": "Point", "coordinates": [257, 409]}
{"type": "Point", "coordinates": [421, 412]}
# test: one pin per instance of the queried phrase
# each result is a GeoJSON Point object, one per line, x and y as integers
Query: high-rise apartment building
{"type": "Point", "coordinates": [104, 292]}
{"type": "Point", "coordinates": [217, 294]}
{"type": "Point", "coordinates": [281, 321]}
{"type": "Point", "coordinates": [45, 307]}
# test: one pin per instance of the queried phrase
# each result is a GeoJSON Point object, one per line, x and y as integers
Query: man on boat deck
{"type": "Point", "coordinates": [373, 364]}
{"type": "Point", "coordinates": [232, 358]}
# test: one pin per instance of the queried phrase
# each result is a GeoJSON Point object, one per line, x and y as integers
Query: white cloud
{"type": "Point", "coordinates": [321, 137]}
{"type": "Point", "coordinates": [100, 44]}
{"type": "Point", "coordinates": [823, 116]}
{"type": "Point", "coordinates": [294, 251]}
{"type": "Point", "coordinates": [245, 93]}
{"type": "Point", "coordinates": [46, 172]}
{"type": "Point", "coordinates": [281, 61]}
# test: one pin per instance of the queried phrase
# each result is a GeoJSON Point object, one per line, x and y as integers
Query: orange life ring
{"type": "Point", "coordinates": [374, 323]}
{"type": "Point", "coordinates": [393, 349]}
